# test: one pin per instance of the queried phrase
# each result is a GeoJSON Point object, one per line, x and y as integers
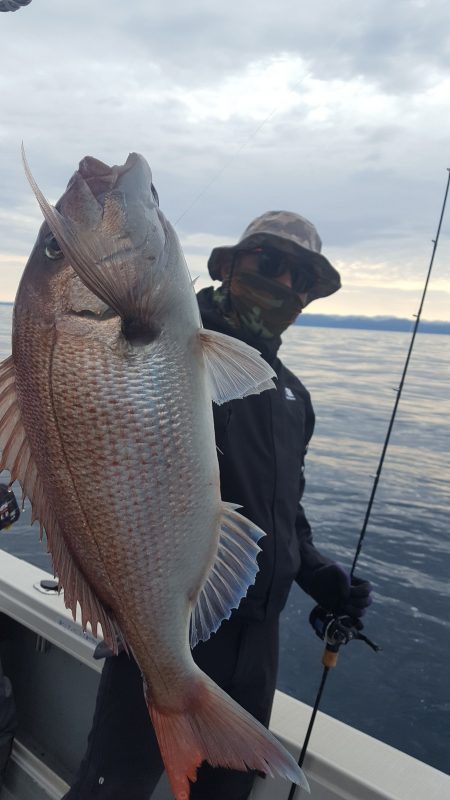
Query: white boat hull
{"type": "Point", "coordinates": [55, 680]}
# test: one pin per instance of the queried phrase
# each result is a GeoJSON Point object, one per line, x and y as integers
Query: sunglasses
{"type": "Point", "coordinates": [272, 264]}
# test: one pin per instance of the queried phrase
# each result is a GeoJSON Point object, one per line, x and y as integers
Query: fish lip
{"type": "Point", "coordinates": [102, 179]}
{"type": "Point", "coordinates": [95, 185]}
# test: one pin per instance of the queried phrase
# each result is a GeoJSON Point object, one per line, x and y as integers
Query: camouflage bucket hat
{"type": "Point", "coordinates": [291, 234]}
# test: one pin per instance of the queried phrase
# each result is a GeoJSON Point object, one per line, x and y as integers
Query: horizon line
{"type": "Point", "coordinates": [373, 317]}
{"type": "Point", "coordinates": [306, 314]}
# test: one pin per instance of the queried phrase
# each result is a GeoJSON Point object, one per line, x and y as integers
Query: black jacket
{"type": "Point", "coordinates": [262, 442]}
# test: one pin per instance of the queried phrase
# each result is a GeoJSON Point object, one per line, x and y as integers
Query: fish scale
{"type": "Point", "coordinates": [144, 417]}
{"type": "Point", "coordinates": [149, 403]}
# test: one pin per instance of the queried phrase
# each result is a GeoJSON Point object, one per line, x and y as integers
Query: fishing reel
{"type": "Point", "coordinates": [9, 509]}
{"type": "Point", "coordinates": [336, 631]}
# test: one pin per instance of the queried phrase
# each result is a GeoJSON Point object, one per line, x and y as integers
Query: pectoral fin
{"type": "Point", "coordinates": [234, 570]}
{"type": "Point", "coordinates": [17, 458]}
{"type": "Point", "coordinates": [235, 369]}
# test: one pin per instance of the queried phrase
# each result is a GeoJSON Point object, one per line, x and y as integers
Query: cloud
{"type": "Point", "coordinates": [398, 45]}
{"type": "Point", "coordinates": [339, 111]}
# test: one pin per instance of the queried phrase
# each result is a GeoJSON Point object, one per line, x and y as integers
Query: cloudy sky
{"type": "Point", "coordinates": [339, 110]}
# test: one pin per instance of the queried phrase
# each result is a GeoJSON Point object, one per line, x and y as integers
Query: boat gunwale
{"type": "Point", "coordinates": [342, 763]}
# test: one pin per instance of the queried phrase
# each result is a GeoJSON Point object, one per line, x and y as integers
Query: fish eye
{"type": "Point", "coordinates": [51, 248]}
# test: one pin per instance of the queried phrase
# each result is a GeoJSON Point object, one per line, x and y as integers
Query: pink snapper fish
{"type": "Point", "coordinates": [106, 420]}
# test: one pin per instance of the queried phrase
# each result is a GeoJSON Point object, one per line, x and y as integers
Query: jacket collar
{"type": "Point", "coordinates": [212, 318]}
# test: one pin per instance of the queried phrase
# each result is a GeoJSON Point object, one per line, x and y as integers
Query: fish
{"type": "Point", "coordinates": [106, 421]}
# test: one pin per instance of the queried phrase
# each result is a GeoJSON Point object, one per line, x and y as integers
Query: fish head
{"type": "Point", "coordinates": [49, 287]}
{"type": "Point", "coordinates": [105, 247]}
{"type": "Point", "coordinates": [119, 202]}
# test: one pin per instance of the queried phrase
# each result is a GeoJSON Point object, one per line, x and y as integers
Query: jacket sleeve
{"type": "Point", "coordinates": [222, 415]}
{"type": "Point", "coordinates": [310, 558]}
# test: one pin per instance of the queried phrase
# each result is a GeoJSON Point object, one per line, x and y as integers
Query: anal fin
{"type": "Point", "coordinates": [234, 570]}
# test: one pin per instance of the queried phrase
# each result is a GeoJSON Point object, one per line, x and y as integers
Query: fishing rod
{"type": "Point", "coordinates": [336, 631]}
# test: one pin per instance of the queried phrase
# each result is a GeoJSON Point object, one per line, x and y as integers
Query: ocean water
{"type": "Point", "coordinates": [400, 695]}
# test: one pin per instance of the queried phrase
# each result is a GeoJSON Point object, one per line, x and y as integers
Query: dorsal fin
{"type": "Point", "coordinates": [17, 458]}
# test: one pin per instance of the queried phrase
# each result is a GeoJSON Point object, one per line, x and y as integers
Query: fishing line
{"type": "Point", "coordinates": [336, 637]}
{"type": "Point", "coordinates": [234, 155]}
{"type": "Point", "coordinates": [226, 165]}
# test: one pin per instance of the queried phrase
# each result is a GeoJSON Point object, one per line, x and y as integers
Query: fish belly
{"type": "Point", "coordinates": [134, 483]}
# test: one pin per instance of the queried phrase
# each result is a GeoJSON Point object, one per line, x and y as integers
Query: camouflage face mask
{"type": "Point", "coordinates": [259, 304]}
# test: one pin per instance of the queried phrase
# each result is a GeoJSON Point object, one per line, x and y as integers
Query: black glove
{"type": "Point", "coordinates": [330, 587]}
{"type": "Point", "coordinates": [9, 509]}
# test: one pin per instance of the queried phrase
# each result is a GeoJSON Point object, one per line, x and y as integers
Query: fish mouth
{"type": "Point", "coordinates": [102, 180]}
{"type": "Point", "coordinates": [111, 232]}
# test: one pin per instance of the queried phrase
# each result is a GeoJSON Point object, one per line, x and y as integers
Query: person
{"type": "Point", "coordinates": [9, 514]}
{"type": "Point", "coordinates": [8, 722]}
{"type": "Point", "coordinates": [266, 279]}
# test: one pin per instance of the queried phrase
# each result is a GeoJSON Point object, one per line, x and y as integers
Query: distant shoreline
{"type": "Point", "coordinates": [361, 323]}
{"type": "Point", "coordinates": [372, 323]}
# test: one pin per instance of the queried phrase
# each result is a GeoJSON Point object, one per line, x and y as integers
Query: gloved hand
{"type": "Point", "coordinates": [9, 509]}
{"type": "Point", "coordinates": [330, 587]}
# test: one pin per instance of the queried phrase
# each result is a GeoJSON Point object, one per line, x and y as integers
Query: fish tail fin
{"type": "Point", "coordinates": [216, 729]}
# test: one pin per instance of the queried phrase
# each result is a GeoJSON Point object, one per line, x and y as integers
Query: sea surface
{"type": "Point", "coordinates": [400, 695]}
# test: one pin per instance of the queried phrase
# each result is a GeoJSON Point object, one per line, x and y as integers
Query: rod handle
{"type": "Point", "coordinates": [329, 658]}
